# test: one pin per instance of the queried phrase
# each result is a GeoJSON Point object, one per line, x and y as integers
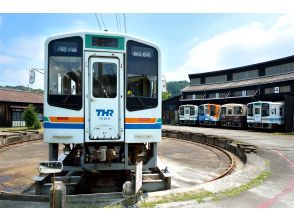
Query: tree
{"type": "Point", "coordinates": [175, 87]}
{"type": "Point", "coordinates": [165, 95]}
{"type": "Point", "coordinates": [31, 118]}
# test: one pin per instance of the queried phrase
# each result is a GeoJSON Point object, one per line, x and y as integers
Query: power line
{"type": "Point", "coordinates": [125, 22]}
{"type": "Point", "coordinates": [98, 22]}
{"type": "Point", "coordinates": [102, 21]}
{"type": "Point", "coordinates": [117, 24]}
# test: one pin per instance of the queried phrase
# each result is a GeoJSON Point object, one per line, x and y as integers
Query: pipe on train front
{"type": "Point", "coordinates": [102, 106]}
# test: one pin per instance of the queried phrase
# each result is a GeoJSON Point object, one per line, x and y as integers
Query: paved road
{"type": "Point", "coordinates": [278, 189]}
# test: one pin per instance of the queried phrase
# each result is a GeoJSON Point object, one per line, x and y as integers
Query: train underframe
{"type": "Point", "coordinates": [104, 167]}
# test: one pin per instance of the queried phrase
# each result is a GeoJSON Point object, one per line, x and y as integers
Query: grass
{"type": "Point", "coordinates": [201, 196]}
{"type": "Point", "coordinates": [284, 133]}
{"type": "Point", "coordinates": [236, 191]}
{"type": "Point", "coordinates": [14, 129]}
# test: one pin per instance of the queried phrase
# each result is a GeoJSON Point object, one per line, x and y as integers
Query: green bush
{"type": "Point", "coordinates": [31, 118]}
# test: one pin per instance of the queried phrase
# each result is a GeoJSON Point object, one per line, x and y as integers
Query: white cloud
{"type": "Point", "coordinates": [246, 45]}
{"type": "Point", "coordinates": [6, 60]}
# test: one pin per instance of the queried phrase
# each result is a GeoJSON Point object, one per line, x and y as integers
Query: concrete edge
{"type": "Point", "coordinates": [18, 137]}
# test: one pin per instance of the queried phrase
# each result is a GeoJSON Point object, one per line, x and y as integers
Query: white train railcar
{"type": "Point", "coordinates": [188, 114]}
{"type": "Point", "coordinates": [102, 101]}
{"type": "Point", "coordinates": [266, 115]}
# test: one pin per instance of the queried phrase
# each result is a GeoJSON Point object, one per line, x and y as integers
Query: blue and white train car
{"type": "Point", "coordinates": [102, 101]}
{"type": "Point", "coordinates": [266, 115]}
{"type": "Point", "coordinates": [188, 114]}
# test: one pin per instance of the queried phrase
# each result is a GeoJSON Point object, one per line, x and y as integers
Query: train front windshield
{"type": "Point", "coordinates": [65, 73]}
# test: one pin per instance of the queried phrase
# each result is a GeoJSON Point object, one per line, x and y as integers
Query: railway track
{"type": "Point", "coordinates": [227, 164]}
{"type": "Point", "coordinates": [227, 161]}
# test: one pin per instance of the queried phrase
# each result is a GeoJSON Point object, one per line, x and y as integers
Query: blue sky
{"type": "Point", "coordinates": [190, 43]}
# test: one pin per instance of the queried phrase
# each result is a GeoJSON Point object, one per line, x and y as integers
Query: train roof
{"type": "Point", "coordinates": [103, 33]}
{"type": "Point", "coordinates": [268, 102]}
{"type": "Point", "coordinates": [233, 105]}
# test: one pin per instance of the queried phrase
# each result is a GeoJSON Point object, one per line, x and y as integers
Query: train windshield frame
{"type": "Point", "coordinates": [142, 76]}
{"type": "Point", "coordinates": [65, 73]}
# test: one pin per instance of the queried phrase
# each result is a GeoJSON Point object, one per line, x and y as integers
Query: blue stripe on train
{"type": "Point", "coordinates": [63, 125]}
{"type": "Point", "coordinates": [143, 126]}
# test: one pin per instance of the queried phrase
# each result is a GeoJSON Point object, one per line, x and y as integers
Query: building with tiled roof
{"type": "Point", "coordinates": [14, 102]}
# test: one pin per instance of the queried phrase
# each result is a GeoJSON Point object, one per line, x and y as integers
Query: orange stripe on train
{"type": "Point", "coordinates": [66, 119]}
{"type": "Point", "coordinates": [140, 120]}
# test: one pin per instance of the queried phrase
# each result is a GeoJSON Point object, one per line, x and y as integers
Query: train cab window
{"type": "Point", "coordinates": [250, 110]}
{"type": "Point", "coordinates": [142, 76]}
{"type": "Point", "coordinates": [186, 111]}
{"type": "Point", "coordinates": [181, 110]}
{"type": "Point", "coordinates": [65, 73]}
{"type": "Point", "coordinates": [274, 111]}
{"type": "Point", "coordinates": [257, 111]}
{"type": "Point", "coordinates": [192, 110]}
{"type": "Point", "coordinates": [104, 80]}
{"type": "Point", "coordinates": [201, 110]}
{"type": "Point", "coordinates": [212, 110]}
{"type": "Point", "coordinates": [281, 112]}
{"type": "Point", "coordinates": [237, 110]}
{"type": "Point", "coordinates": [230, 111]}
{"type": "Point", "coordinates": [265, 110]}
{"type": "Point", "coordinates": [223, 111]}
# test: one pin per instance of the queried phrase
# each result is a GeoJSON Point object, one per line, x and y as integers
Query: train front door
{"type": "Point", "coordinates": [257, 113]}
{"type": "Point", "coordinates": [105, 120]}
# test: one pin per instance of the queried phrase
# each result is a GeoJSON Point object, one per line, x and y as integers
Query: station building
{"type": "Point", "coordinates": [14, 102]}
{"type": "Point", "coordinates": [268, 81]}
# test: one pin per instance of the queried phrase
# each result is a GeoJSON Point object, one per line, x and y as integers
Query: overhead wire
{"type": "Point", "coordinates": [125, 22]}
{"type": "Point", "coordinates": [102, 21]}
{"type": "Point", "coordinates": [98, 22]}
{"type": "Point", "coordinates": [117, 24]}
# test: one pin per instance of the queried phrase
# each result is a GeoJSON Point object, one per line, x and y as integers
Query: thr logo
{"type": "Point", "coordinates": [104, 112]}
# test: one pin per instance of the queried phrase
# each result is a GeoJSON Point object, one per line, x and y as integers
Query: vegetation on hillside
{"type": "Point", "coordinates": [175, 87]}
{"type": "Point", "coordinates": [22, 88]}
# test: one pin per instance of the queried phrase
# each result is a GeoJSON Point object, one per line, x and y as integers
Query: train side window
{"type": "Point", "coordinates": [142, 76]}
{"type": "Point", "coordinates": [274, 111]}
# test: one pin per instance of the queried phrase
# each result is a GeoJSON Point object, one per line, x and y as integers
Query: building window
{"type": "Point", "coordinates": [237, 93]}
{"type": "Point", "coordinates": [195, 81]}
{"type": "Point", "coordinates": [245, 75]}
{"type": "Point", "coordinates": [216, 79]}
{"type": "Point", "coordinates": [285, 88]}
{"type": "Point", "coordinates": [270, 90]}
{"type": "Point", "coordinates": [284, 68]}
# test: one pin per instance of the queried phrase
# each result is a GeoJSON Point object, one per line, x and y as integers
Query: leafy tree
{"type": "Point", "coordinates": [166, 95]}
{"type": "Point", "coordinates": [31, 118]}
{"type": "Point", "coordinates": [175, 87]}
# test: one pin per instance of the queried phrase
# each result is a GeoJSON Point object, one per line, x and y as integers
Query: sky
{"type": "Point", "coordinates": [190, 43]}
